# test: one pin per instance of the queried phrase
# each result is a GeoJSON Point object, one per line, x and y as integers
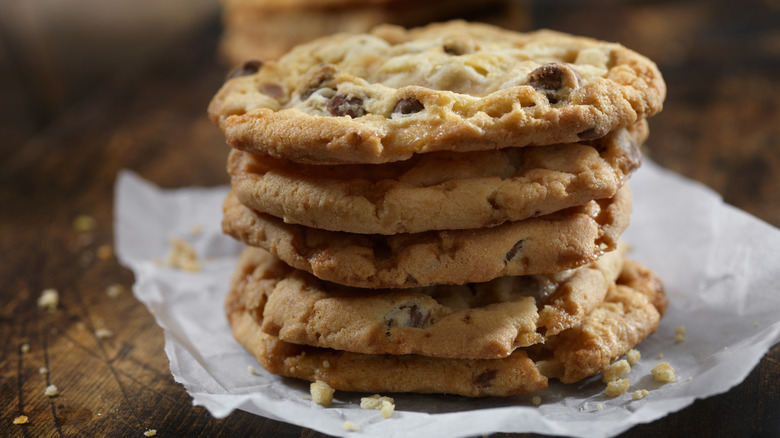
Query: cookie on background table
{"type": "Point", "coordinates": [542, 245]}
{"type": "Point", "coordinates": [267, 29]}
{"type": "Point", "coordinates": [392, 93]}
{"type": "Point", "coordinates": [439, 190]}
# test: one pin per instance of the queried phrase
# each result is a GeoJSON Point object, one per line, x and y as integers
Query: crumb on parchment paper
{"type": "Point", "coordinates": [615, 370]}
{"type": "Point", "coordinates": [617, 387]}
{"type": "Point", "coordinates": [181, 256]}
{"type": "Point", "coordinates": [351, 427]}
{"type": "Point", "coordinates": [386, 405]}
{"type": "Point", "coordinates": [633, 356]}
{"type": "Point", "coordinates": [679, 334]}
{"type": "Point", "coordinates": [639, 394]}
{"type": "Point", "coordinates": [321, 393]}
{"type": "Point", "coordinates": [22, 419]}
{"type": "Point", "coordinates": [663, 372]}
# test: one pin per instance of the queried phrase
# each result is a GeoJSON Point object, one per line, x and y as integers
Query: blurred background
{"type": "Point", "coordinates": [721, 60]}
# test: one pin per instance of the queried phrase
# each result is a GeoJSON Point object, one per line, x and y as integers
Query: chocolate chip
{"type": "Point", "coordinates": [416, 318]}
{"type": "Point", "coordinates": [551, 78]}
{"type": "Point", "coordinates": [408, 105]}
{"type": "Point", "coordinates": [452, 49]}
{"type": "Point", "coordinates": [591, 134]}
{"type": "Point", "coordinates": [248, 68]}
{"type": "Point", "coordinates": [274, 90]}
{"type": "Point", "coordinates": [341, 105]}
{"type": "Point", "coordinates": [483, 380]}
{"type": "Point", "coordinates": [512, 253]}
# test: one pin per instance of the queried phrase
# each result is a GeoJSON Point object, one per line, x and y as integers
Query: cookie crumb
{"type": "Point", "coordinates": [104, 252]}
{"type": "Point", "coordinates": [150, 432]}
{"type": "Point", "coordinates": [725, 331]}
{"type": "Point", "coordinates": [756, 324]}
{"type": "Point", "coordinates": [183, 256]}
{"type": "Point", "coordinates": [679, 334]}
{"type": "Point", "coordinates": [617, 387]}
{"type": "Point", "coordinates": [84, 223]}
{"type": "Point", "coordinates": [536, 400]}
{"type": "Point", "coordinates": [351, 427]}
{"type": "Point", "coordinates": [114, 290]}
{"type": "Point", "coordinates": [639, 394]}
{"type": "Point", "coordinates": [599, 407]}
{"type": "Point", "coordinates": [43, 370]}
{"type": "Point", "coordinates": [663, 372]}
{"type": "Point", "coordinates": [196, 230]}
{"type": "Point", "coordinates": [49, 299]}
{"type": "Point", "coordinates": [633, 356]}
{"type": "Point", "coordinates": [251, 370]}
{"type": "Point", "coordinates": [25, 348]}
{"type": "Point", "coordinates": [615, 370]}
{"type": "Point", "coordinates": [51, 391]}
{"type": "Point", "coordinates": [386, 405]}
{"type": "Point", "coordinates": [22, 419]}
{"type": "Point", "coordinates": [103, 333]}
{"type": "Point", "coordinates": [660, 355]}
{"type": "Point", "coordinates": [321, 393]}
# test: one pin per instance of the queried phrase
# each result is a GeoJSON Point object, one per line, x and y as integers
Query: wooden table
{"type": "Point", "coordinates": [721, 126]}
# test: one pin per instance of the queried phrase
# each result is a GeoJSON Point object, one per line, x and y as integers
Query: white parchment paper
{"type": "Point", "coordinates": [720, 266]}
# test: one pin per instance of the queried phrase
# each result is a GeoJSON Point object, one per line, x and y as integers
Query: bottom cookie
{"type": "Point", "coordinates": [630, 313]}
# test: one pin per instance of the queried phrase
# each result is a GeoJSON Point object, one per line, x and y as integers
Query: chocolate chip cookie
{"type": "Point", "coordinates": [543, 245]}
{"type": "Point", "coordinates": [391, 93]}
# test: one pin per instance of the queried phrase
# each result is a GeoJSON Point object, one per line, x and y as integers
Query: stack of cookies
{"type": "Point", "coordinates": [266, 29]}
{"type": "Point", "coordinates": [438, 210]}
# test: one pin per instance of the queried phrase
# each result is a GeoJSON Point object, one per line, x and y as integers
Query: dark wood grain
{"type": "Point", "coordinates": [720, 126]}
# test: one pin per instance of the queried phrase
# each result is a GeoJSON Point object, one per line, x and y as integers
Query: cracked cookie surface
{"type": "Point", "coordinates": [440, 190]}
{"type": "Point", "coordinates": [547, 244]}
{"type": "Point", "coordinates": [391, 93]}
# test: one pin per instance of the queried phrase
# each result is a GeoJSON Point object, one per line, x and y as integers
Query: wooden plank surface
{"type": "Point", "coordinates": [720, 126]}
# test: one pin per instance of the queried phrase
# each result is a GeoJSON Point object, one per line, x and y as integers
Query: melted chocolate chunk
{"type": "Point", "coordinates": [341, 105]}
{"type": "Point", "coordinates": [591, 134]}
{"type": "Point", "coordinates": [274, 90]}
{"type": "Point", "coordinates": [409, 105]}
{"type": "Point", "coordinates": [248, 68]}
{"type": "Point", "coordinates": [483, 380]}
{"type": "Point", "coordinates": [550, 79]}
{"type": "Point", "coordinates": [512, 253]}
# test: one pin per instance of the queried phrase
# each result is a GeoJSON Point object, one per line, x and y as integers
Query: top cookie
{"type": "Point", "coordinates": [391, 93]}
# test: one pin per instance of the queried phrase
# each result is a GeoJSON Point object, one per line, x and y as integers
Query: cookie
{"type": "Point", "coordinates": [473, 321]}
{"type": "Point", "coordinates": [392, 93]}
{"type": "Point", "coordinates": [266, 30]}
{"type": "Point", "coordinates": [542, 245]}
{"type": "Point", "coordinates": [625, 318]}
{"type": "Point", "coordinates": [440, 190]}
